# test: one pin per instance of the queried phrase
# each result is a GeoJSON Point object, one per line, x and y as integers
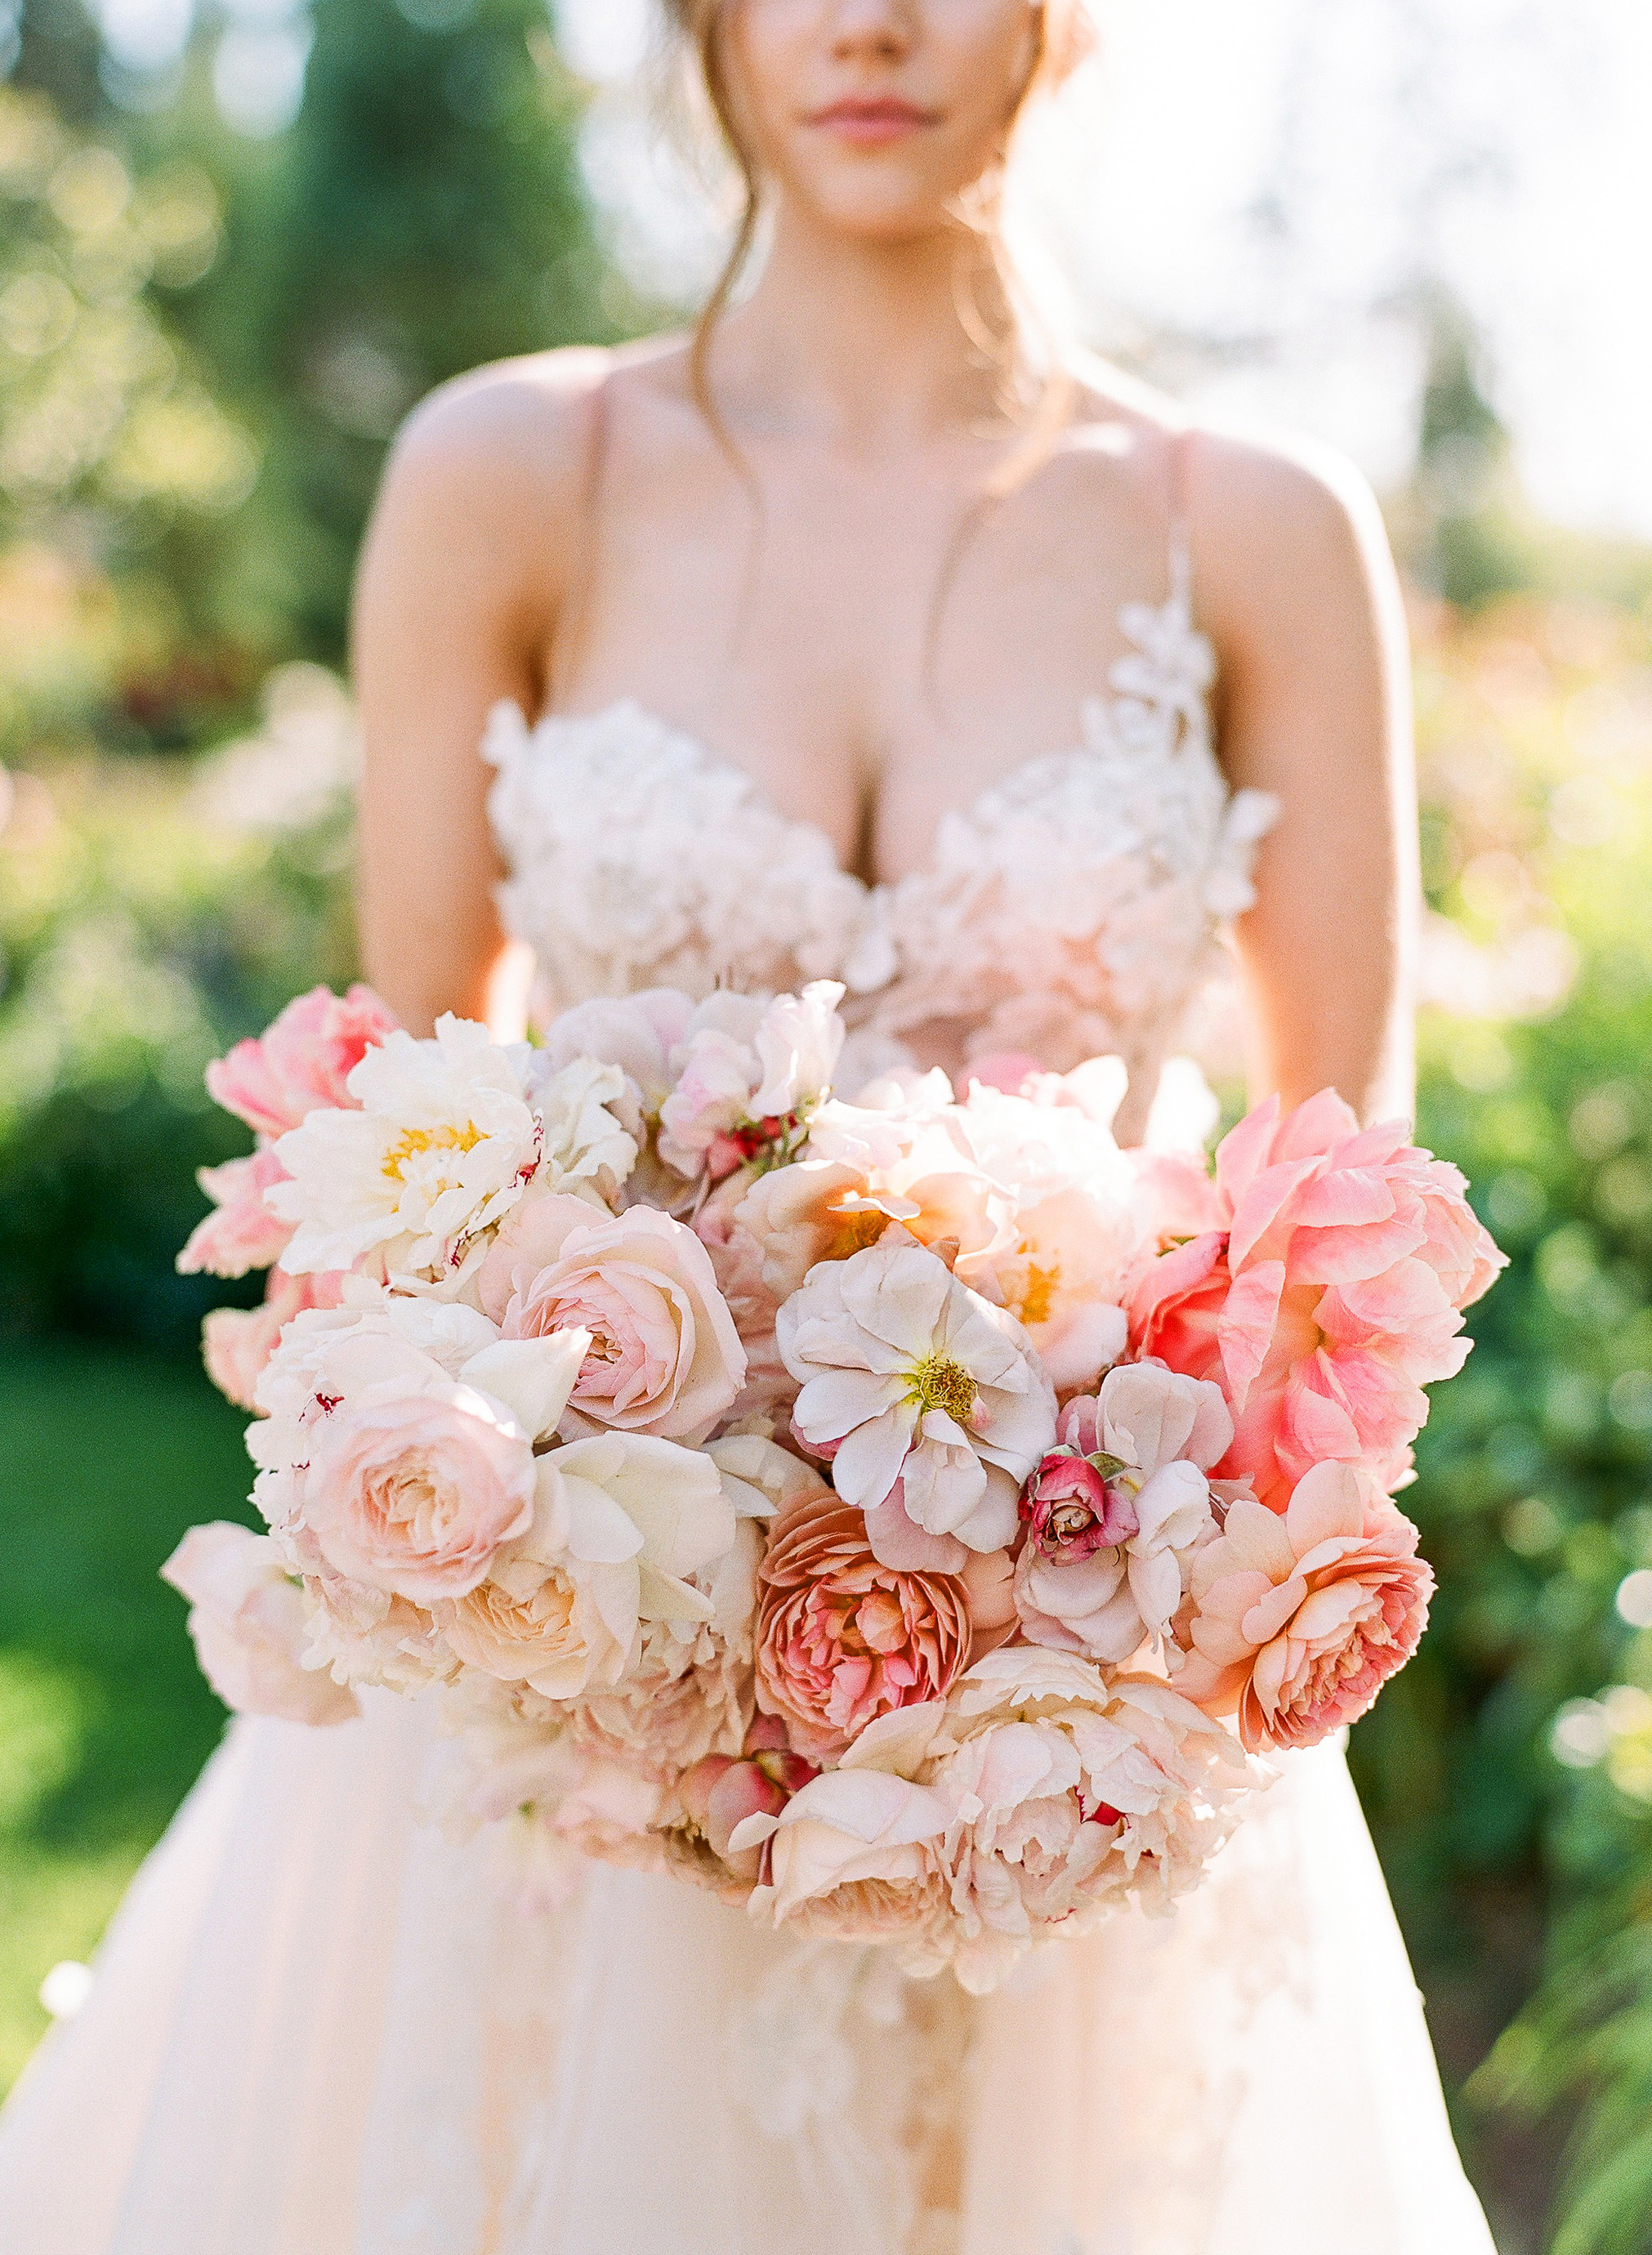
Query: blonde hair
{"type": "Point", "coordinates": [1065, 36]}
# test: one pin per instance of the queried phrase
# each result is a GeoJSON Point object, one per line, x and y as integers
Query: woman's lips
{"type": "Point", "coordinates": [869, 122]}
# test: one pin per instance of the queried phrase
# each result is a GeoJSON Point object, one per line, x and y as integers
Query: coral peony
{"type": "Point", "coordinates": [303, 1062]}
{"type": "Point", "coordinates": [665, 1357]}
{"type": "Point", "coordinates": [1297, 1620]}
{"type": "Point", "coordinates": [1332, 1298]}
{"type": "Point", "coordinates": [907, 1375]}
{"type": "Point", "coordinates": [841, 1639]}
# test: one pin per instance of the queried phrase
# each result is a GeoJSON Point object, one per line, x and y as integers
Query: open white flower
{"type": "Point", "coordinates": [907, 1376]}
{"type": "Point", "coordinates": [449, 1134]}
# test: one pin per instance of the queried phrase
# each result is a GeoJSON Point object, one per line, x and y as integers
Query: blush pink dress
{"type": "Point", "coordinates": [318, 2026]}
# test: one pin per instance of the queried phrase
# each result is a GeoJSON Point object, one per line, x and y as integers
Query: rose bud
{"type": "Point", "coordinates": [1075, 1506]}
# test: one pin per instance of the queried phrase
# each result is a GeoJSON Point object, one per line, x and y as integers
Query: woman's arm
{"type": "Point", "coordinates": [462, 576]}
{"type": "Point", "coordinates": [1298, 588]}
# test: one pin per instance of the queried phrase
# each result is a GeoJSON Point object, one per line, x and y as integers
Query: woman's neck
{"type": "Point", "coordinates": [861, 342]}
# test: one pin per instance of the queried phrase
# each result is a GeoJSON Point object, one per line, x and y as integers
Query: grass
{"type": "Point", "coordinates": [106, 1456]}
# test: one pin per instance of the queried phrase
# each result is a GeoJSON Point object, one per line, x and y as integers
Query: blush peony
{"type": "Point", "coordinates": [303, 1062]}
{"type": "Point", "coordinates": [839, 1638]}
{"type": "Point", "coordinates": [248, 1620]}
{"type": "Point", "coordinates": [240, 1233]}
{"type": "Point", "coordinates": [1299, 1619]}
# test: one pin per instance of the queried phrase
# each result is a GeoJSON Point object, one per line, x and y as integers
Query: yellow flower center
{"type": "Point", "coordinates": [937, 1382]}
{"type": "Point", "coordinates": [1038, 1298]}
{"type": "Point", "coordinates": [416, 1141]}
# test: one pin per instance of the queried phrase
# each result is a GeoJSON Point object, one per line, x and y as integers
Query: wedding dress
{"type": "Point", "coordinates": [319, 2026]}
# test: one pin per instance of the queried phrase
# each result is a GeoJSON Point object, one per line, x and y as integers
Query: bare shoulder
{"type": "Point", "coordinates": [1284, 530]}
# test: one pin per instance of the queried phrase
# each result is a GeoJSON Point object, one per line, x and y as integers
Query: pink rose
{"type": "Point", "coordinates": [237, 1343]}
{"type": "Point", "coordinates": [302, 1063]}
{"type": "Point", "coordinates": [1333, 1296]}
{"type": "Point", "coordinates": [240, 1233]}
{"type": "Point", "coordinates": [841, 1639]}
{"type": "Point", "coordinates": [1297, 1620]}
{"type": "Point", "coordinates": [248, 1620]}
{"type": "Point", "coordinates": [1072, 1509]}
{"type": "Point", "coordinates": [665, 1357]}
{"type": "Point", "coordinates": [415, 1492]}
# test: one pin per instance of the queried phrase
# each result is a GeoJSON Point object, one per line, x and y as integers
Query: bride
{"type": "Point", "coordinates": [851, 639]}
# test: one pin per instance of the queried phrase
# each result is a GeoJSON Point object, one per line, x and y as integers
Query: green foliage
{"type": "Point", "coordinates": [105, 1458]}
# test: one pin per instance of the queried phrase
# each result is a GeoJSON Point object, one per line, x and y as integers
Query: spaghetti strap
{"type": "Point", "coordinates": [1181, 546]}
{"type": "Point", "coordinates": [576, 604]}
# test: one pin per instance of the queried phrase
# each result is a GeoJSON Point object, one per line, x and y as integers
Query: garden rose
{"type": "Point", "coordinates": [303, 1062]}
{"type": "Point", "coordinates": [240, 1233]}
{"type": "Point", "coordinates": [665, 1357]}
{"type": "Point", "coordinates": [1297, 1620]}
{"type": "Point", "coordinates": [907, 1375]}
{"type": "Point", "coordinates": [1112, 1530]}
{"type": "Point", "coordinates": [415, 1492]}
{"type": "Point", "coordinates": [839, 1638]}
{"type": "Point", "coordinates": [248, 1619]}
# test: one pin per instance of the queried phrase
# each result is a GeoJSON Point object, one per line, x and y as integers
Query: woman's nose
{"type": "Point", "coordinates": [882, 27]}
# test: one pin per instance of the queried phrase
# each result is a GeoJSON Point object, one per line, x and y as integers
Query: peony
{"type": "Point", "coordinates": [839, 1638]}
{"type": "Point", "coordinates": [450, 1132]}
{"type": "Point", "coordinates": [1069, 1795]}
{"type": "Point", "coordinates": [1333, 1297]}
{"type": "Point", "coordinates": [664, 1355]}
{"type": "Point", "coordinates": [237, 1343]}
{"type": "Point", "coordinates": [303, 1062]}
{"type": "Point", "coordinates": [748, 1076]}
{"type": "Point", "coordinates": [1116, 1513]}
{"type": "Point", "coordinates": [248, 1620]}
{"type": "Point", "coordinates": [907, 1376]}
{"type": "Point", "coordinates": [240, 1233]}
{"type": "Point", "coordinates": [639, 1033]}
{"type": "Point", "coordinates": [1299, 1620]}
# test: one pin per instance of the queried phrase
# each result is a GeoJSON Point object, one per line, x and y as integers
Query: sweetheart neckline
{"type": "Point", "coordinates": [1142, 623]}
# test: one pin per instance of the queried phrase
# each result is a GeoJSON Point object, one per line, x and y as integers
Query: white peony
{"type": "Point", "coordinates": [450, 1132]}
{"type": "Point", "coordinates": [749, 1072]}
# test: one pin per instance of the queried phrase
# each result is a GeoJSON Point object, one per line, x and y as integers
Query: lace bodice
{"type": "Point", "coordinates": [1074, 910]}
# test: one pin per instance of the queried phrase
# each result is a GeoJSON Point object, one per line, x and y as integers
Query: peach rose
{"type": "Point", "coordinates": [302, 1063]}
{"type": "Point", "coordinates": [248, 1619]}
{"type": "Point", "coordinates": [1298, 1620]}
{"type": "Point", "coordinates": [414, 1493]}
{"type": "Point", "coordinates": [665, 1357]}
{"type": "Point", "coordinates": [841, 1639]}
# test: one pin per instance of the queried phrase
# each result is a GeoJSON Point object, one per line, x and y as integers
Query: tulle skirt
{"type": "Point", "coordinates": [318, 2027]}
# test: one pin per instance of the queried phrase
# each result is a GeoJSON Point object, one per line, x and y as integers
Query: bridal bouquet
{"type": "Point", "coordinates": [906, 1517]}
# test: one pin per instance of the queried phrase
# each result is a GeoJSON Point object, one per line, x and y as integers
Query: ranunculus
{"type": "Point", "coordinates": [749, 1075]}
{"type": "Point", "coordinates": [1069, 1795]}
{"type": "Point", "coordinates": [665, 1357]}
{"type": "Point", "coordinates": [240, 1233]}
{"type": "Point", "coordinates": [1113, 1526]}
{"type": "Point", "coordinates": [1299, 1619]}
{"type": "Point", "coordinates": [303, 1062]}
{"type": "Point", "coordinates": [449, 1134]}
{"type": "Point", "coordinates": [1331, 1298]}
{"type": "Point", "coordinates": [415, 1494]}
{"type": "Point", "coordinates": [841, 1638]}
{"type": "Point", "coordinates": [906, 1375]}
{"type": "Point", "coordinates": [248, 1620]}
{"type": "Point", "coordinates": [237, 1343]}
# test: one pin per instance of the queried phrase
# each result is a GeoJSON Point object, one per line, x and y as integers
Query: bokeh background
{"type": "Point", "coordinates": [238, 238]}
